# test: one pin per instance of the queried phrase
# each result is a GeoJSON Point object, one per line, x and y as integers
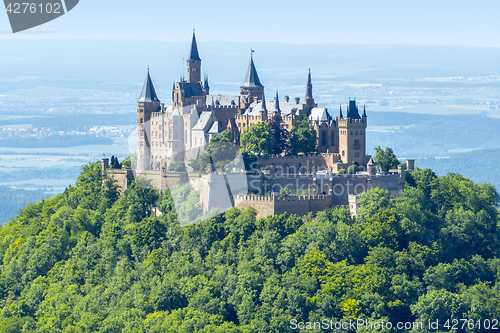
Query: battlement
{"type": "Point", "coordinates": [345, 121]}
{"type": "Point", "coordinates": [278, 198]}
{"type": "Point", "coordinates": [225, 107]}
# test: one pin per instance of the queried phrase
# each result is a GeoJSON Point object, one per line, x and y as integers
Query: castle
{"type": "Point", "coordinates": [174, 133]}
{"type": "Point", "coordinates": [177, 133]}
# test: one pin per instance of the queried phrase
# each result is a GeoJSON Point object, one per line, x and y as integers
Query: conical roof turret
{"type": "Point", "coordinates": [148, 91]}
{"type": "Point", "coordinates": [263, 105]}
{"type": "Point", "coordinates": [193, 54]}
{"type": "Point", "coordinates": [252, 78]}
{"type": "Point", "coordinates": [277, 103]}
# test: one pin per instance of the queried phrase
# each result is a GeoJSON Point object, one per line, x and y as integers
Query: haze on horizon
{"type": "Point", "coordinates": [426, 22]}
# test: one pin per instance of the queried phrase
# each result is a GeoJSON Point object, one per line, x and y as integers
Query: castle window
{"type": "Point", "coordinates": [356, 144]}
{"type": "Point", "coordinates": [141, 120]}
{"type": "Point", "coordinates": [343, 153]}
{"type": "Point", "coordinates": [323, 138]}
{"type": "Point", "coordinates": [351, 132]}
{"type": "Point", "coordinates": [142, 144]}
{"type": "Point", "coordinates": [361, 133]}
{"type": "Point", "coordinates": [332, 138]}
{"type": "Point", "coordinates": [356, 132]}
{"type": "Point", "coordinates": [356, 154]}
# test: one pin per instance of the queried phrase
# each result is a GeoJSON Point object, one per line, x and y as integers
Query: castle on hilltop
{"type": "Point", "coordinates": [171, 135]}
{"type": "Point", "coordinates": [174, 133]}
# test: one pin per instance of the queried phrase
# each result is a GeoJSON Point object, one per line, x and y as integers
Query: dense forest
{"type": "Point", "coordinates": [88, 260]}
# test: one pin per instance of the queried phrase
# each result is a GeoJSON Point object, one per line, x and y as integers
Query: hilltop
{"type": "Point", "coordinates": [88, 260]}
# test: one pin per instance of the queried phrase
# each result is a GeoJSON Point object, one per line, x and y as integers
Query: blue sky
{"type": "Point", "coordinates": [438, 22]}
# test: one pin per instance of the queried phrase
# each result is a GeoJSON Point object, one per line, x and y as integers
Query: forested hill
{"type": "Point", "coordinates": [90, 261]}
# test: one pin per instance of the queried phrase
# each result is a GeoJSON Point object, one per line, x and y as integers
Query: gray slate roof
{"type": "Point", "coordinates": [191, 89]}
{"type": "Point", "coordinates": [286, 108]}
{"type": "Point", "coordinates": [203, 122]}
{"type": "Point", "coordinates": [148, 91]}
{"type": "Point", "coordinates": [223, 99]}
{"type": "Point", "coordinates": [252, 78]}
{"type": "Point", "coordinates": [319, 114]}
{"type": "Point", "coordinates": [352, 110]}
{"type": "Point", "coordinates": [216, 128]}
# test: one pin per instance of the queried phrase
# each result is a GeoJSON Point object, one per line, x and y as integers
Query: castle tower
{"type": "Point", "coordinates": [194, 63]}
{"type": "Point", "coordinates": [251, 87]}
{"type": "Point", "coordinates": [147, 104]}
{"type": "Point", "coordinates": [352, 136]}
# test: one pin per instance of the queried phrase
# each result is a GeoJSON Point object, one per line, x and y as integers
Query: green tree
{"type": "Point", "coordinates": [302, 138]}
{"type": "Point", "coordinates": [258, 139]}
{"type": "Point", "coordinates": [385, 159]}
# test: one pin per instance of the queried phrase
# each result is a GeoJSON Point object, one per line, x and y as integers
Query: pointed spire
{"type": "Point", "coordinates": [252, 78]}
{"type": "Point", "coordinates": [263, 106]}
{"type": "Point", "coordinates": [309, 90]}
{"type": "Point", "coordinates": [193, 54]}
{"type": "Point", "coordinates": [341, 115]}
{"type": "Point", "coordinates": [148, 91]}
{"type": "Point", "coordinates": [277, 103]}
{"type": "Point", "coordinates": [205, 84]}
{"type": "Point", "coordinates": [364, 111]}
{"type": "Point", "coordinates": [173, 85]}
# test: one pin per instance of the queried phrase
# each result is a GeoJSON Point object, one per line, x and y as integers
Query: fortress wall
{"type": "Point", "coordinates": [263, 204]}
{"type": "Point", "coordinates": [292, 205]}
{"type": "Point", "coordinates": [310, 163]}
{"type": "Point", "coordinates": [392, 183]}
{"type": "Point", "coordinates": [120, 176]}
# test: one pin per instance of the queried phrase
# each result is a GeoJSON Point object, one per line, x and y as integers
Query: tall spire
{"type": "Point", "coordinates": [193, 54]}
{"type": "Point", "coordinates": [341, 115]}
{"type": "Point", "coordinates": [263, 106]}
{"type": "Point", "coordinates": [277, 104]}
{"type": "Point", "coordinates": [148, 91]}
{"type": "Point", "coordinates": [252, 78]}
{"type": "Point", "coordinates": [309, 89]}
{"type": "Point", "coordinates": [364, 110]}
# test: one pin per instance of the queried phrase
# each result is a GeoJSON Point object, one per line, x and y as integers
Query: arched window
{"type": "Point", "coordinates": [323, 138]}
{"type": "Point", "coordinates": [332, 138]}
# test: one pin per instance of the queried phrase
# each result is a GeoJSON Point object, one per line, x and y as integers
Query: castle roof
{"type": "Point", "coordinates": [352, 110]}
{"type": "Point", "coordinates": [286, 108]}
{"type": "Point", "coordinates": [223, 99]}
{"type": "Point", "coordinates": [216, 128]}
{"type": "Point", "coordinates": [252, 78]}
{"type": "Point", "coordinates": [191, 89]}
{"type": "Point", "coordinates": [319, 114]}
{"type": "Point", "coordinates": [148, 91]}
{"type": "Point", "coordinates": [193, 54]}
{"type": "Point", "coordinates": [370, 162]}
{"type": "Point", "coordinates": [203, 122]}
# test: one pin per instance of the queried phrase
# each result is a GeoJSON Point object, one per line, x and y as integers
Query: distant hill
{"type": "Point", "coordinates": [465, 144]}
{"type": "Point", "coordinates": [13, 200]}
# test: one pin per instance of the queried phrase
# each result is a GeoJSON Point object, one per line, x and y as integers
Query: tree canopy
{"type": "Point", "coordinates": [88, 260]}
{"type": "Point", "coordinates": [385, 158]}
{"type": "Point", "coordinates": [302, 138]}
